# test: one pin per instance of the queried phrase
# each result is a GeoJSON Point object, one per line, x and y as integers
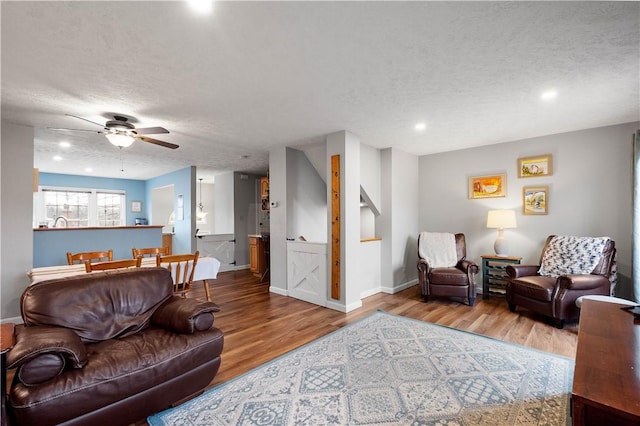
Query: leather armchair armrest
{"type": "Point", "coordinates": [583, 282]}
{"type": "Point", "coordinates": [468, 266]}
{"type": "Point", "coordinates": [423, 271]}
{"type": "Point", "coordinates": [42, 352]}
{"type": "Point", "coordinates": [517, 271]}
{"type": "Point", "coordinates": [423, 265]}
{"type": "Point", "coordinates": [185, 316]}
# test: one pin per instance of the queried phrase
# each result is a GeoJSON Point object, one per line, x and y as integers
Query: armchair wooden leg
{"type": "Point", "coordinates": [472, 301]}
{"type": "Point", "coordinates": [425, 298]}
{"type": "Point", "coordinates": [512, 307]}
{"type": "Point", "coordinates": [558, 323]}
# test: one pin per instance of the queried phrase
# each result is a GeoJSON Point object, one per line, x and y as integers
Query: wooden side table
{"type": "Point", "coordinates": [7, 340]}
{"type": "Point", "coordinates": [494, 274]}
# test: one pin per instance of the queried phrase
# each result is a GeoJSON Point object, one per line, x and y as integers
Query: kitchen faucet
{"type": "Point", "coordinates": [66, 222]}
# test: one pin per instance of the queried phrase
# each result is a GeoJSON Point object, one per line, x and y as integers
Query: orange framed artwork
{"type": "Point", "coordinates": [490, 186]}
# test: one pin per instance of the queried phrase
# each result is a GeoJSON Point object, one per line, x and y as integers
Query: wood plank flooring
{"type": "Point", "coordinates": [259, 326]}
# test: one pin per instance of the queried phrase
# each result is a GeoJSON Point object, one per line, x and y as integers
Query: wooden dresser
{"type": "Point", "coordinates": [606, 381]}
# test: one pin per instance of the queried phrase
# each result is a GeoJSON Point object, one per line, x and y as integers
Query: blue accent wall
{"type": "Point", "coordinates": [51, 246]}
{"type": "Point", "coordinates": [134, 189]}
{"type": "Point", "coordinates": [184, 184]}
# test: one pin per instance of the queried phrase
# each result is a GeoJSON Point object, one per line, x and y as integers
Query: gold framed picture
{"type": "Point", "coordinates": [535, 200]}
{"type": "Point", "coordinates": [489, 186]}
{"type": "Point", "coordinates": [539, 165]}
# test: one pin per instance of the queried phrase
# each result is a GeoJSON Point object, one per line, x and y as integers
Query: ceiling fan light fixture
{"type": "Point", "coordinates": [121, 140]}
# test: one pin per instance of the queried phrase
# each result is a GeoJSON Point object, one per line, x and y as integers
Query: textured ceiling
{"type": "Point", "coordinates": [256, 75]}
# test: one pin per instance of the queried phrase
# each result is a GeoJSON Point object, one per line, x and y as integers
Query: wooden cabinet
{"type": "Point", "coordinates": [494, 274]}
{"type": "Point", "coordinates": [257, 255]}
{"type": "Point", "coordinates": [167, 242]}
{"type": "Point", "coordinates": [606, 383]}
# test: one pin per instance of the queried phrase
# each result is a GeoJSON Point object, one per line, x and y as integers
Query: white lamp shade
{"type": "Point", "coordinates": [501, 219]}
{"type": "Point", "coordinates": [120, 140]}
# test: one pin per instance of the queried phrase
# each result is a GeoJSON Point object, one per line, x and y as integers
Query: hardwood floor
{"type": "Point", "coordinates": [259, 326]}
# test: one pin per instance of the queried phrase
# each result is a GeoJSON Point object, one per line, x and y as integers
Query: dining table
{"type": "Point", "coordinates": [206, 269]}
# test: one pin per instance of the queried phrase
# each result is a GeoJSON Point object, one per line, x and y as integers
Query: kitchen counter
{"type": "Point", "coordinates": [87, 228]}
{"type": "Point", "coordinates": [50, 245]}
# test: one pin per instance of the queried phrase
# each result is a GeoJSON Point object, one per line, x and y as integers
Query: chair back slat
{"type": "Point", "coordinates": [113, 264]}
{"type": "Point", "coordinates": [149, 251]}
{"type": "Point", "coordinates": [182, 267]}
{"type": "Point", "coordinates": [89, 255]}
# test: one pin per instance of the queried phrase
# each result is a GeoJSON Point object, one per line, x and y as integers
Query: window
{"type": "Point", "coordinates": [76, 208]}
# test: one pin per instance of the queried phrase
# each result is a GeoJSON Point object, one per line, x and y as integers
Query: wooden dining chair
{"type": "Point", "coordinates": [89, 255]}
{"type": "Point", "coordinates": [113, 264]}
{"type": "Point", "coordinates": [182, 267]}
{"type": "Point", "coordinates": [149, 251]}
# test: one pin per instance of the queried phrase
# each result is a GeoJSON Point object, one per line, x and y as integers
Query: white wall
{"type": "Point", "coordinates": [370, 176]}
{"type": "Point", "coordinates": [16, 211]}
{"type": "Point", "coordinates": [278, 220]}
{"type": "Point", "coordinates": [223, 208]}
{"type": "Point", "coordinates": [398, 221]}
{"type": "Point", "coordinates": [162, 207]}
{"type": "Point", "coordinates": [589, 192]}
{"type": "Point", "coordinates": [306, 199]}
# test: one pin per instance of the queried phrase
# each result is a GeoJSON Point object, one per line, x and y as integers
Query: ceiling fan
{"type": "Point", "coordinates": [121, 133]}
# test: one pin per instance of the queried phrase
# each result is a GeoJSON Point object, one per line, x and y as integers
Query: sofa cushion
{"type": "Point", "coordinates": [535, 287]}
{"type": "Point", "coordinates": [40, 369]}
{"type": "Point", "coordinates": [98, 306]}
{"type": "Point", "coordinates": [448, 276]}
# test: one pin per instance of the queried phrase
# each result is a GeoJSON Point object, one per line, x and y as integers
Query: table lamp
{"type": "Point", "coordinates": [501, 219]}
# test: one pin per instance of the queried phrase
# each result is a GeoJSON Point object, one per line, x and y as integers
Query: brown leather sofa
{"type": "Point", "coordinates": [556, 297]}
{"type": "Point", "coordinates": [109, 348]}
{"type": "Point", "coordinates": [458, 281]}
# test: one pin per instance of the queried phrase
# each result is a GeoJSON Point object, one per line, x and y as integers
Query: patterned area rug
{"type": "Point", "coordinates": [391, 370]}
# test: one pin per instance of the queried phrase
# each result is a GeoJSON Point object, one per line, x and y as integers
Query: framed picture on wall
{"type": "Point", "coordinates": [539, 165]}
{"type": "Point", "coordinates": [136, 206]}
{"type": "Point", "coordinates": [535, 200]}
{"type": "Point", "coordinates": [489, 186]}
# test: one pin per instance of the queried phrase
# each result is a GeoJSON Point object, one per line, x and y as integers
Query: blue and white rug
{"type": "Point", "coordinates": [391, 370]}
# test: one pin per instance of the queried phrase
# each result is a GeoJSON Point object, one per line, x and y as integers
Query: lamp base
{"type": "Point", "coordinates": [501, 247]}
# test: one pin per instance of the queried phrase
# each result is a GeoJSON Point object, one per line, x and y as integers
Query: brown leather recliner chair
{"type": "Point", "coordinates": [109, 348]}
{"type": "Point", "coordinates": [555, 297]}
{"type": "Point", "coordinates": [456, 281]}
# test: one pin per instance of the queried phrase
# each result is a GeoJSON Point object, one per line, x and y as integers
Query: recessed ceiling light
{"type": "Point", "coordinates": [64, 144]}
{"type": "Point", "coordinates": [88, 169]}
{"type": "Point", "coordinates": [548, 95]}
{"type": "Point", "coordinates": [203, 7]}
{"type": "Point", "coordinates": [57, 158]}
{"type": "Point", "coordinates": [420, 126]}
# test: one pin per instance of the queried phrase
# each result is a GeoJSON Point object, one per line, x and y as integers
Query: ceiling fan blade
{"type": "Point", "coordinates": [62, 129]}
{"type": "Point", "coordinates": [157, 142]}
{"type": "Point", "coordinates": [92, 122]}
{"type": "Point", "coordinates": [151, 130]}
